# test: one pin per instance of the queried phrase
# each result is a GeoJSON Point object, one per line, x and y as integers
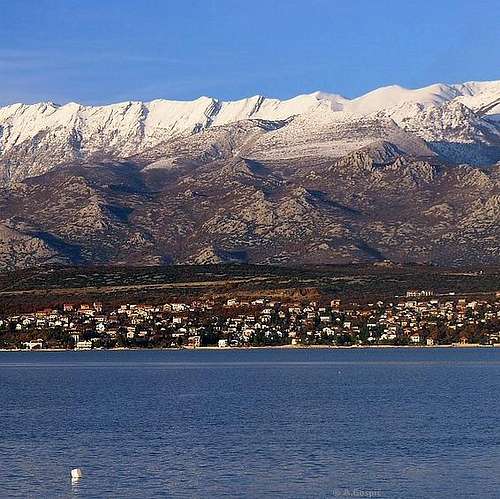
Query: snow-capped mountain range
{"type": "Point", "coordinates": [405, 175]}
{"type": "Point", "coordinates": [459, 122]}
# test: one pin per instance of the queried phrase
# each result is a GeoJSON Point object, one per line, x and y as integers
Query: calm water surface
{"type": "Point", "coordinates": [261, 423]}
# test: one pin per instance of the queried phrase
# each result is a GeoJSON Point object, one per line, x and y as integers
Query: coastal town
{"type": "Point", "coordinates": [419, 318]}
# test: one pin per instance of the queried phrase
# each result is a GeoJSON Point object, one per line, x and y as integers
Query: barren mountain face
{"type": "Point", "coordinates": [403, 175]}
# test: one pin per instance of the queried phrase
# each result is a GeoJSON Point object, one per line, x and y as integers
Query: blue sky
{"type": "Point", "coordinates": [100, 51]}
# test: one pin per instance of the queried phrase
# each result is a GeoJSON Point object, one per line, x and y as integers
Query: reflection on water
{"type": "Point", "coordinates": [75, 486]}
{"type": "Point", "coordinates": [274, 423]}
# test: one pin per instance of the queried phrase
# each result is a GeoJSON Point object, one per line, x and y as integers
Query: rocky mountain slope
{"type": "Point", "coordinates": [410, 176]}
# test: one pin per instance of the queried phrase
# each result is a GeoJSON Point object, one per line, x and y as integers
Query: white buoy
{"type": "Point", "coordinates": [76, 473]}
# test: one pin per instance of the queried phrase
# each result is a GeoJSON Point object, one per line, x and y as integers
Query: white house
{"type": "Point", "coordinates": [33, 344]}
{"type": "Point", "coordinates": [83, 345]}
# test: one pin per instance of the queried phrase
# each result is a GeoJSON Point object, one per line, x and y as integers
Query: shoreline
{"type": "Point", "coordinates": [277, 347]}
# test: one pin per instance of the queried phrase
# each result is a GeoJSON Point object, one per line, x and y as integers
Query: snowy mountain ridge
{"type": "Point", "coordinates": [34, 138]}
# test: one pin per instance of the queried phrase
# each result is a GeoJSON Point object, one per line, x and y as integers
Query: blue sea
{"type": "Point", "coordinates": [409, 422]}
